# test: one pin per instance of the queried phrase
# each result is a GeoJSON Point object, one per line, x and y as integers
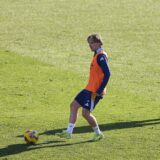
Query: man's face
{"type": "Point", "coordinates": [93, 45]}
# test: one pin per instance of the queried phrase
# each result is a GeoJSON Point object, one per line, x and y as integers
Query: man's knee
{"type": "Point", "coordinates": [74, 105]}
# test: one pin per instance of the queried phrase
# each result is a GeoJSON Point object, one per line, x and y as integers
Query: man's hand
{"type": "Point", "coordinates": [94, 95]}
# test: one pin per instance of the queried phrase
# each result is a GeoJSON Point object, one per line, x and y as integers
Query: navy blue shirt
{"type": "Point", "coordinates": [103, 63]}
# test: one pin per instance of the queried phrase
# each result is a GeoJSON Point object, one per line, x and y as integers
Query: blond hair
{"type": "Point", "coordinates": [95, 38]}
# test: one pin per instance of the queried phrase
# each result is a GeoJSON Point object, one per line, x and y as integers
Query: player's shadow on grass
{"type": "Point", "coordinates": [19, 148]}
{"type": "Point", "coordinates": [109, 126]}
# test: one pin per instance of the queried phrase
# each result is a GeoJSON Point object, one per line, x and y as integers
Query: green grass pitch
{"type": "Point", "coordinates": [44, 62]}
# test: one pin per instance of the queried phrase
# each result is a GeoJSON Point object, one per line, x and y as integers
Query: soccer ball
{"type": "Point", "coordinates": [31, 136]}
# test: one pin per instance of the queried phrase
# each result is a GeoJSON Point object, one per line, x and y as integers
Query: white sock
{"type": "Point", "coordinates": [70, 127]}
{"type": "Point", "coordinates": [97, 130]}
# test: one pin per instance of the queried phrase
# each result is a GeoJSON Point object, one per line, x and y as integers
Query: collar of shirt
{"type": "Point", "coordinates": [98, 50]}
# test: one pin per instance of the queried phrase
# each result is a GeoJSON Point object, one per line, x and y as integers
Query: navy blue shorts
{"type": "Point", "coordinates": [85, 100]}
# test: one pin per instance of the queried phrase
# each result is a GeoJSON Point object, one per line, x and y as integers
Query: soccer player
{"type": "Point", "coordinates": [93, 92]}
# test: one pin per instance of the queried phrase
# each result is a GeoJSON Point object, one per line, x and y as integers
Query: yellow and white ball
{"type": "Point", "coordinates": [31, 136]}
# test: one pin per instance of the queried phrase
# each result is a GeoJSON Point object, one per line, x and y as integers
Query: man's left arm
{"type": "Point", "coordinates": [103, 63]}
